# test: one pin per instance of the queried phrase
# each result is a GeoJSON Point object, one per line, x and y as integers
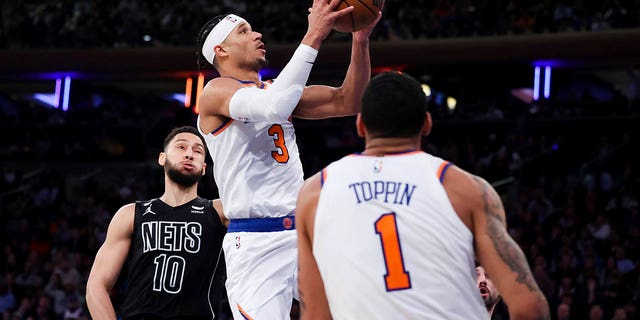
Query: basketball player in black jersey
{"type": "Point", "coordinates": [170, 244]}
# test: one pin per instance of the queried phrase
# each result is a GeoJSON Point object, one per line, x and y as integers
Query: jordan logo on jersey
{"type": "Point", "coordinates": [148, 205]}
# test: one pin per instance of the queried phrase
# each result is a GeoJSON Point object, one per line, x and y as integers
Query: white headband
{"type": "Point", "coordinates": [218, 34]}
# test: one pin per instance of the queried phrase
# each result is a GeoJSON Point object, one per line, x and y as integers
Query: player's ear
{"type": "Point", "coordinates": [360, 126]}
{"type": "Point", "coordinates": [162, 157]}
{"type": "Point", "coordinates": [204, 169]}
{"type": "Point", "coordinates": [426, 126]}
{"type": "Point", "coordinates": [219, 51]}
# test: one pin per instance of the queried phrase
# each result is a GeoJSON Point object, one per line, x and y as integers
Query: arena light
{"type": "Point", "coordinates": [67, 93]}
{"type": "Point", "coordinates": [46, 98]}
{"type": "Point", "coordinates": [187, 92]}
{"type": "Point", "coordinates": [452, 103]}
{"type": "Point", "coordinates": [536, 84]}
{"type": "Point", "coordinates": [547, 82]}
{"type": "Point", "coordinates": [199, 92]}
{"type": "Point", "coordinates": [56, 104]}
{"type": "Point", "coordinates": [426, 89]}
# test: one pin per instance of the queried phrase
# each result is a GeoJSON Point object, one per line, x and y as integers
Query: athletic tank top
{"type": "Point", "coordinates": [256, 166]}
{"type": "Point", "coordinates": [388, 243]}
{"type": "Point", "coordinates": [172, 260]}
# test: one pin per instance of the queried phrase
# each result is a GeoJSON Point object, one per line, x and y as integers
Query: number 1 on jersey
{"type": "Point", "coordinates": [397, 278]}
{"type": "Point", "coordinates": [281, 154]}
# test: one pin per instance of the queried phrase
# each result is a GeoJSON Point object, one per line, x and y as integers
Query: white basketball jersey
{"type": "Point", "coordinates": [388, 243]}
{"type": "Point", "coordinates": [256, 167]}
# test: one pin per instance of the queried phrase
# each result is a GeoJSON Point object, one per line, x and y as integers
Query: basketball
{"type": "Point", "coordinates": [364, 12]}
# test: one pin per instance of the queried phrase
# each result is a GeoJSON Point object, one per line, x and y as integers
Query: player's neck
{"type": "Point", "coordinates": [242, 75]}
{"type": "Point", "coordinates": [382, 146]}
{"type": "Point", "coordinates": [176, 195]}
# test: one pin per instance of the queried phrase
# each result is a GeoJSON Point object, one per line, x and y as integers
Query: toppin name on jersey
{"type": "Point", "coordinates": [384, 191]}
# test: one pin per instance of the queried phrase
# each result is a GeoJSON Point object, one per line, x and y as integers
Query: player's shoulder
{"type": "Point", "coordinates": [220, 84]}
{"type": "Point", "coordinates": [124, 216]}
{"type": "Point", "coordinates": [313, 183]}
{"type": "Point", "coordinates": [468, 186]}
{"type": "Point", "coordinates": [127, 208]}
{"type": "Point", "coordinates": [310, 190]}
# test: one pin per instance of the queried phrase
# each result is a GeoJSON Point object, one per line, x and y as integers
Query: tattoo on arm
{"type": "Point", "coordinates": [506, 247]}
{"type": "Point", "coordinates": [303, 305]}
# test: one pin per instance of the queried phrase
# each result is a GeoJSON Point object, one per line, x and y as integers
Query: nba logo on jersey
{"type": "Point", "coordinates": [377, 166]}
{"type": "Point", "coordinates": [237, 242]}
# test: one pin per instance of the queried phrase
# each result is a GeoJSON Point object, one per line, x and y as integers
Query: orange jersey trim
{"type": "Point", "coordinates": [222, 128]}
{"type": "Point", "coordinates": [243, 313]}
{"type": "Point", "coordinates": [442, 169]}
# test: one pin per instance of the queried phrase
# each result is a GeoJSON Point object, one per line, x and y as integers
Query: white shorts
{"type": "Point", "coordinates": [262, 273]}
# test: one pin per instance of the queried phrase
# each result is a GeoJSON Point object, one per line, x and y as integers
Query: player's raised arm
{"type": "Point", "coordinates": [320, 102]}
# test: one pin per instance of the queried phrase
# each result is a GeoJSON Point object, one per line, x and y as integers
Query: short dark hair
{"type": "Point", "coordinates": [394, 105]}
{"type": "Point", "coordinates": [202, 36]}
{"type": "Point", "coordinates": [173, 133]}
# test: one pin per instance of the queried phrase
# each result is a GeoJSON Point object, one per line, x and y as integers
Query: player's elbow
{"type": "Point", "coordinates": [534, 308]}
{"type": "Point", "coordinates": [282, 104]}
{"type": "Point", "coordinates": [91, 295]}
{"type": "Point", "coordinates": [95, 289]}
{"type": "Point", "coordinates": [269, 105]}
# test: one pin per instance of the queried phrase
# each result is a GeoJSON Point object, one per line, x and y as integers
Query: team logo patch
{"type": "Point", "coordinates": [287, 223]}
{"type": "Point", "coordinates": [195, 209]}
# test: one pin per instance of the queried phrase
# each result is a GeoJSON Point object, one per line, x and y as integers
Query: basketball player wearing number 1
{"type": "Point", "coordinates": [247, 126]}
{"type": "Point", "coordinates": [390, 233]}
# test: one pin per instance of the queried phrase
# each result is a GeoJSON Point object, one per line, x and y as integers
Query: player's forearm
{"type": "Point", "coordinates": [313, 39]}
{"type": "Point", "coordinates": [357, 76]}
{"type": "Point", "coordinates": [99, 303]}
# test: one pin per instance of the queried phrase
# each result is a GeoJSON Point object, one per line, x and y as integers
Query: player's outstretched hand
{"type": "Point", "coordinates": [363, 34]}
{"type": "Point", "coordinates": [322, 16]}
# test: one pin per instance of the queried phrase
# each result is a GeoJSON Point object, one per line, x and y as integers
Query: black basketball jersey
{"type": "Point", "coordinates": [172, 260]}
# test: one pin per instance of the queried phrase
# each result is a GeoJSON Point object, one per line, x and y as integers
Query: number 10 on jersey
{"type": "Point", "coordinates": [397, 277]}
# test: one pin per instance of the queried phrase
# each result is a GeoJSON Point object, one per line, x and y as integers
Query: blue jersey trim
{"type": "Point", "coordinates": [262, 224]}
{"type": "Point", "coordinates": [444, 170]}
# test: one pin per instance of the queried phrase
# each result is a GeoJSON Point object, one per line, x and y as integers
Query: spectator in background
{"type": "Point", "coordinates": [596, 313]}
{"type": "Point", "coordinates": [7, 299]}
{"type": "Point", "coordinates": [563, 312]}
{"type": "Point", "coordinates": [619, 313]}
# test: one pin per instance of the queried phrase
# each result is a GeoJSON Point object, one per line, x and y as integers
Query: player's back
{"type": "Point", "coordinates": [388, 243]}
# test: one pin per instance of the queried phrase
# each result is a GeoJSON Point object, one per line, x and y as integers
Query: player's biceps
{"type": "Point", "coordinates": [318, 102]}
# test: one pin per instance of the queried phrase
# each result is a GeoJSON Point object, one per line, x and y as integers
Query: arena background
{"type": "Point", "coordinates": [539, 97]}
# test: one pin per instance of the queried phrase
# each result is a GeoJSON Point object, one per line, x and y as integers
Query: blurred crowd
{"type": "Point", "coordinates": [568, 171]}
{"type": "Point", "coordinates": [162, 23]}
{"type": "Point", "coordinates": [571, 197]}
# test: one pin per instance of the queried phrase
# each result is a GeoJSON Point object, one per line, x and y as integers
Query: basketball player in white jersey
{"type": "Point", "coordinates": [392, 232]}
{"type": "Point", "coordinates": [247, 126]}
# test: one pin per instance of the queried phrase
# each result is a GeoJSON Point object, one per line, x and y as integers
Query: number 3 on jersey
{"type": "Point", "coordinates": [397, 277]}
{"type": "Point", "coordinates": [281, 154]}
